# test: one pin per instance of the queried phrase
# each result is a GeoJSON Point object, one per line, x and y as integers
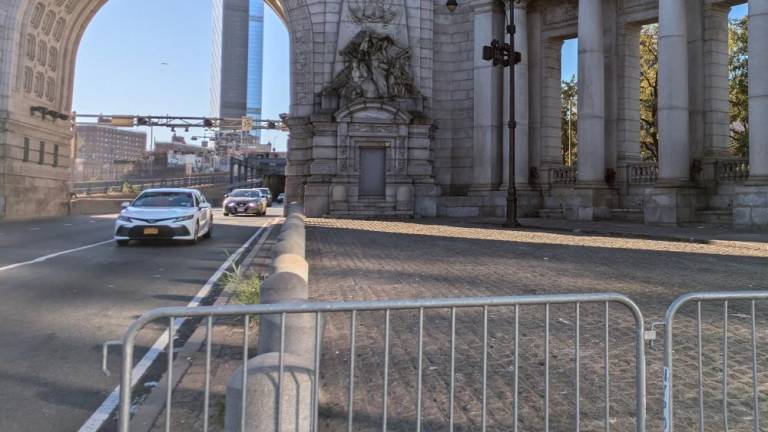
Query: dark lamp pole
{"type": "Point", "coordinates": [503, 54]}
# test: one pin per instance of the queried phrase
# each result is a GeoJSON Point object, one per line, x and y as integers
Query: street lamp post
{"type": "Point", "coordinates": [503, 54]}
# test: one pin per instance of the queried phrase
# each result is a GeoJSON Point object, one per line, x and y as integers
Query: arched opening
{"type": "Point", "coordinates": [38, 88]}
{"type": "Point", "coordinates": [168, 69]}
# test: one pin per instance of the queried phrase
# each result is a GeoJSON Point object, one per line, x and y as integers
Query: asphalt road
{"type": "Point", "coordinates": [55, 313]}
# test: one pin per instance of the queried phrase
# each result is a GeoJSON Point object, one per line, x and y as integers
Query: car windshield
{"type": "Point", "coordinates": [265, 191]}
{"type": "Point", "coordinates": [164, 199]}
{"type": "Point", "coordinates": [245, 194]}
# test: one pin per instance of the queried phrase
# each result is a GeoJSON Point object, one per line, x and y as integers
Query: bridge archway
{"type": "Point", "coordinates": [39, 42]}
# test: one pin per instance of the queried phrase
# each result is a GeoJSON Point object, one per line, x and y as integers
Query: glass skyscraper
{"type": "Point", "coordinates": [238, 57]}
{"type": "Point", "coordinates": [255, 60]}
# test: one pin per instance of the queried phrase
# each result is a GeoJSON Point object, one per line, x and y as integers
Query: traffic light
{"type": "Point", "coordinates": [142, 121]}
{"type": "Point", "coordinates": [208, 123]}
{"type": "Point", "coordinates": [247, 124]}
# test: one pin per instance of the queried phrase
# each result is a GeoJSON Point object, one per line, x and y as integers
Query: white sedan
{"type": "Point", "coordinates": [172, 214]}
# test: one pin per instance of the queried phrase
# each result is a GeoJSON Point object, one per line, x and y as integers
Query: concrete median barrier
{"type": "Point", "coordinates": [299, 334]}
{"type": "Point", "coordinates": [262, 387]}
{"type": "Point", "coordinates": [282, 287]}
{"type": "Point", "coordinates": [287, 283]}
{"type": "Point", "coordinates": [290, 263]}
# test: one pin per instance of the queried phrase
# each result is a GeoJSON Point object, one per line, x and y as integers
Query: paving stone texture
{"type": "Point", "coordinates": [367, 260]}
{"type": "Point", "coordinates": [370, 260]}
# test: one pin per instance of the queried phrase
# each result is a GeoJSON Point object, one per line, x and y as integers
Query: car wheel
{"type": "Point", "coordinates": [196, 238]}
{"type": "Point", "coordinates": [209, 233]}
{"type": "Point", "coordinates": [122, 242]}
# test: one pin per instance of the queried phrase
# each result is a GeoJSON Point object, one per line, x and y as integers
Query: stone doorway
{"type": "Point", "coordinates": [372, 168]}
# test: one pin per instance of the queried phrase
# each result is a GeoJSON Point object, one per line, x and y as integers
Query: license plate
{"type": "Point", "coordinates": [151, 231]}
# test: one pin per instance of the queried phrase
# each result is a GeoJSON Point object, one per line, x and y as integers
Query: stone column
{"type": "Point", "coordinates": [629, 95]}
{"type": "Point", "coordinates": [591, 121]}
{"type": "Point", "coordinates": [716, 142]}
{"type": "Point", "coordinates": [550, 130]}
{"type": "Point", "coordinates": [487, 135]}
{"type": "Point", "coordinates": [674, 151]}
{"type": "Point", "coordinates": [758, 91]}
{"type": "Point", "coordinates": [521, 100]}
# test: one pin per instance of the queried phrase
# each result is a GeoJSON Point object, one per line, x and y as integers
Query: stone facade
{"type": "Point", "coordinates": [407, 77]}
{"type": "Point", "coordinates": [696, 181]}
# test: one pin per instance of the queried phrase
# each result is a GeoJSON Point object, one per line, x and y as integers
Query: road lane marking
{"type": "Point", "coordinates": [101, 415]}
{"type": "Point", "coordinates": [54, 255]}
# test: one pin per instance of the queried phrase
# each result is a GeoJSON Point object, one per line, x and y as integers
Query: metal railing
{"type": "Point", "coordinates": [727, 299]}
{"type": "Point", "coordinates": [172, 316]}
{"type": "Point", "coordinates": [105, 187]}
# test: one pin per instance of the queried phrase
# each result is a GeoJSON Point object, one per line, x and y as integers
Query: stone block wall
{"type": "Point", "coordinates": [750, 207]}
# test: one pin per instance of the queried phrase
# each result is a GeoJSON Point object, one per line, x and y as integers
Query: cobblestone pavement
{"type": "Point", "coordinates": [366, 260]}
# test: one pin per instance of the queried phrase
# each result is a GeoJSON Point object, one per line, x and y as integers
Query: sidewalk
{"type": "Point", "coordinates": [399, 259]}
{"type": "Point", "coordinates": [704, 234]}
{"type": "Point", "coordinates": [440, 258]}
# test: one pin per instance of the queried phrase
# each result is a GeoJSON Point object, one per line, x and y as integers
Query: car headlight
{"type": "Point", "coordinates": [252, 204]}
{"type": "Point", "coordinates": [125, 219]}
{"type": "Point", "coordinates": [184, 218]}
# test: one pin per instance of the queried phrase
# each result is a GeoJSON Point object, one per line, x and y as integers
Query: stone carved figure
{"type": "Point", "coordinates": [374, 68]}
{"type": "Point", "coordinates": [372, 12]}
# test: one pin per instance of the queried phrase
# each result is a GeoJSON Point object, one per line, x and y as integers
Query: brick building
{"type": "Point", "coordinates": [105, 152]}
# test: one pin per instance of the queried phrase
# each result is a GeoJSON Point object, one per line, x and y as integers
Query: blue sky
{"type": "Point", "coordinates": [121, 70]}
{"type": "Point", "coordinates": [120, 66]}
{"type": "Point", "coordinates": [571, 48]}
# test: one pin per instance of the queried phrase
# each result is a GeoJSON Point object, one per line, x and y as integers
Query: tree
{"type": "Point", "coordinates": [738, 92]}
{"type": "Point", "coordinates": [649, 92]}
{"type": "Point", "coordinates": [569, 120]}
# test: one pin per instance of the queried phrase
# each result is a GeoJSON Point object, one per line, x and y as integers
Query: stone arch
{"type": "Point", "coordinates": [38, 54]}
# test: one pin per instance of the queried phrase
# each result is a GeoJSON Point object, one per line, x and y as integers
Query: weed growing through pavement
{"type": "Point", "coordinates": [246, 288]}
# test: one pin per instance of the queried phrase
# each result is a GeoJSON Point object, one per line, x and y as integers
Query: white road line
{"type": "Point", "coordinates": [47, 257]}
{"type": "Point", "coordinates": [101, 414]}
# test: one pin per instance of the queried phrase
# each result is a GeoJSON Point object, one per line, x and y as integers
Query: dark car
{"type": "Point", "coordinates": [245, 201]}
{"type": "Point", "coordinates": [267, 193]}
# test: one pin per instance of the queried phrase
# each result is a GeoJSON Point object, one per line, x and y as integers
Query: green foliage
{"type": "Point", "coordinates": [738, 92]}
{"type": "Point", "coordinates": [246, 288]}
{"type": "Point", "coordinates": [649, 92]}
{"type": "Point", "coordinates": [569, 118]}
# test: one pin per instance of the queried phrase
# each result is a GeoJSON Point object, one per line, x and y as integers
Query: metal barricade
{"type": "Point", "coordinates": [540, 305]}
{"type": "Point", "coordinates": [728, 299]}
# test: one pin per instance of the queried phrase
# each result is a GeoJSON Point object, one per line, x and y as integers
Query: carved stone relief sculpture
{"type": "Point", "coordinates": [375, 67]}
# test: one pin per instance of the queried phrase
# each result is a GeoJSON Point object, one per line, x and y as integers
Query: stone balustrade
{"type": "Point", "coordinates": [562, 176]}
{"type": "Point", "coordinates": [643, 173]}
{"type": "Point", "coordinates": [732, 170]}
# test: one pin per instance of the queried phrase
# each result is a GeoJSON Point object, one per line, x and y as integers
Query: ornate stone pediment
{"type": "Point", "coordinates": [375, 67]}
{"type": "Point", "coordinates": [372, 12]}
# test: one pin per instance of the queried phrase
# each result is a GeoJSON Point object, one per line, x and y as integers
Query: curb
{"type": "Point", "coordinates": [153, 406]}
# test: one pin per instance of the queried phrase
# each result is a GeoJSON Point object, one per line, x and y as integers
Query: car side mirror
{"type": "Point", "coordinates": [125, 205]}
{"type": "Point", "coordinates": [226, 195]}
